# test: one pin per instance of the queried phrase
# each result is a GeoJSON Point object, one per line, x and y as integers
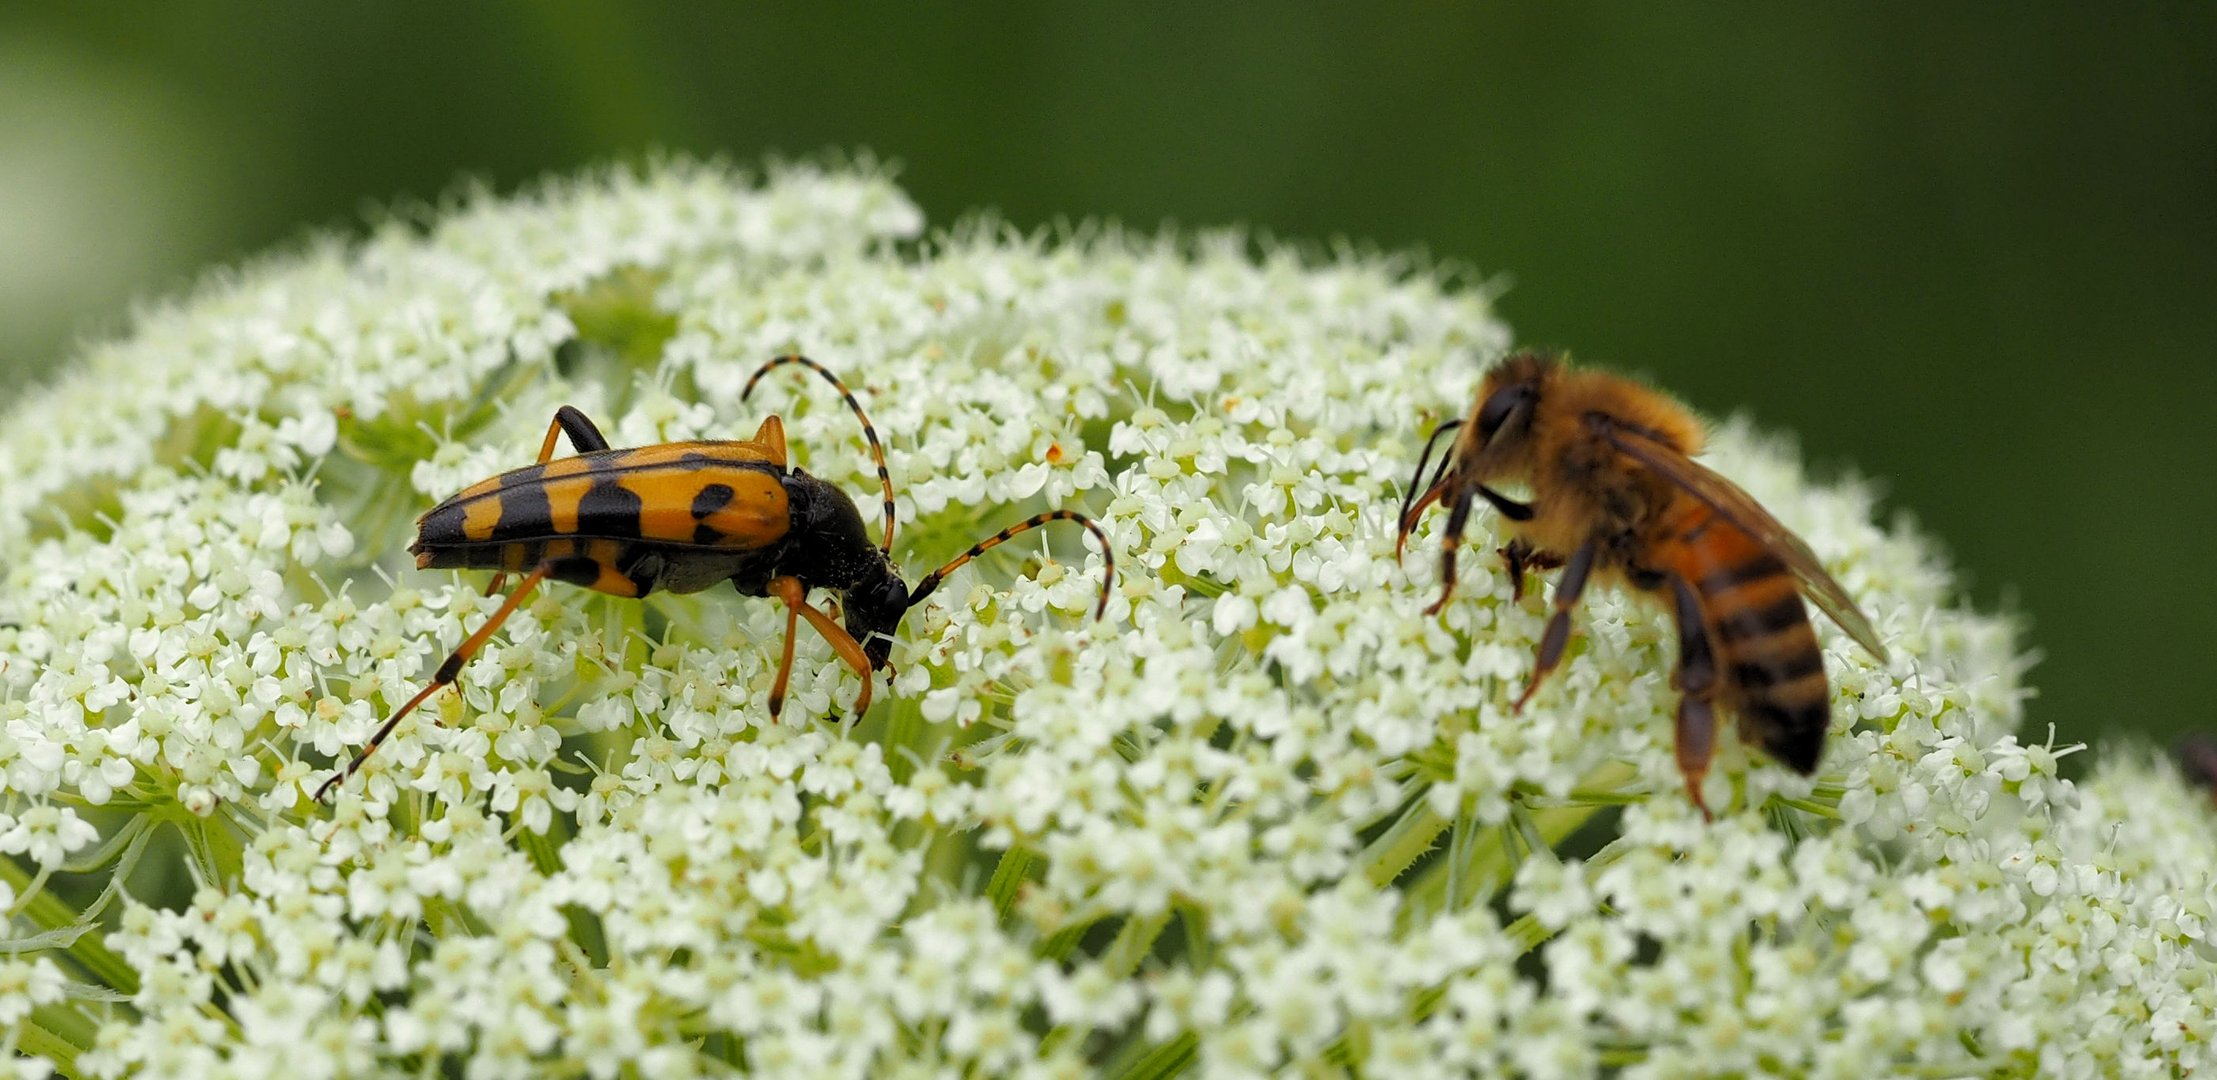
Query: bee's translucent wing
{"type": "Point", "coordinates": [1740, 508]}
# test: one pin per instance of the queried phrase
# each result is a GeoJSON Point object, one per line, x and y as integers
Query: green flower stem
{"type": "Point", "coordinates": [57, 1033]}
{"type": "Point", "coordinates": [1157, 1062]}
{"type": "Point", "coordinates": [1133, 942]}
{"type": "Point", "coordinates": [215, 846]}
{"type": "Point", "coordinates": [1402, 845]}
{"type": "Point", "coordinates": [49, 912]}
{"type": "Point", "coordinates": [1008, 879]}
{"type": "Point", "coordinates": [1486, 865]}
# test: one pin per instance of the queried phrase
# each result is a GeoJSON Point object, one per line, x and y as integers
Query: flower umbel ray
{"type": "Point", "coordinates": [1264, 818]}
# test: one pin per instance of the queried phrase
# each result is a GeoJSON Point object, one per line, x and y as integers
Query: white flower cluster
{"type": "Point", "coordinates": [1265, 817]}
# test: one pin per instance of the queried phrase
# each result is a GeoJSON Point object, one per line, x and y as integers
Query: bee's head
{"type": "Point", "coordinates": [1499, 428]}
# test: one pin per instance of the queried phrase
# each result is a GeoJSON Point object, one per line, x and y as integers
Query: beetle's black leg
{"type": "Point", "coordinates": [449, 669]}
{"type": "Point", "coordinates": [929, 582]}
{"type": "Point", "coordinates": [869, 431]}
{"type": "Point", "coordinates": [1567, 591]}
{"type": "Point", "coordinates": [585, 437]}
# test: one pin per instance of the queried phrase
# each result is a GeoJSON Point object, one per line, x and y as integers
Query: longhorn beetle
{"type": "Point", "coordinates": [681, 517]}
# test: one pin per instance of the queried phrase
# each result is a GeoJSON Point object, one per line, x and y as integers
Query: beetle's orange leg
{"type": "Point", "coordinates": [795, 595]}
{"type": "Point", "coordinates": [449, 669]}
{"type": "Point", "coordinates": [1568, 589]}
{"type": "Point", "coordinates": [929, 582]}
{"type": "Point", "coordinates": [869, 432]}
{"type": "Point", "coordinates": [785, 665]}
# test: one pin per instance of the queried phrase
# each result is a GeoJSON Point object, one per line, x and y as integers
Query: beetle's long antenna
{"type": "Point", "coordinates": [931, 581]}
{"type": "Point", "coordinates": [869, 433]}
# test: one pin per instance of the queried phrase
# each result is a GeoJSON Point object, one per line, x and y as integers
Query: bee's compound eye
{"type": "Point", "coordinates": [1500, 407]}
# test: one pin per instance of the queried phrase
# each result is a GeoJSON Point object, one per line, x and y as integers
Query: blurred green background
{"type": "Point", "coordinates": [1971, 251]}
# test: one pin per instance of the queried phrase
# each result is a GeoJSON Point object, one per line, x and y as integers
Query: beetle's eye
{"type": "Point", "coordinates": [1504, 402]}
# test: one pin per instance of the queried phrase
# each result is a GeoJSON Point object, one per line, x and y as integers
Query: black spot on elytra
{"type": "Point", "coordinates": [609, 509]}
{"type": "Point", "coordinates": [712, 498]}
{"type": "Point", "coordinates": [524, 512]}
{"type": "Point", "coordinates": [442, 527]}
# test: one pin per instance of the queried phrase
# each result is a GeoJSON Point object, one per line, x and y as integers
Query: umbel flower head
{"type": "Point", "coordinates": [1263, 818]}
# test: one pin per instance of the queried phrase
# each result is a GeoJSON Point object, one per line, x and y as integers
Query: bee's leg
{"type": "Point", "coordinates": [1696, 681]}
{"type": "Point", "coordinates": [1411, 508]}
{"type": "Point", "coordinates": [1417, 507]}
{"type": "Point", "coordinates": [1567, 591]}
{"type": "Point", "coordinates": [449, 669]}
{"type": "Point", "coordinates": [795, 595]}
{"type": "Point", "coordinates": [585, 437]}
{"type": "Point", "coordinates": [1521, 557]}
{"type": "Point", "coordinates": [1449, 545]}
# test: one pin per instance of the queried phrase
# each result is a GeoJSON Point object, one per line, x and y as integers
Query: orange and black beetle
{"type": "Point", "coordinates": [680, 517]}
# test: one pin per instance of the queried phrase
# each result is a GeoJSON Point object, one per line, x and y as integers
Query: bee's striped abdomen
{"type": "Point", "coordinates": [1767, 656]}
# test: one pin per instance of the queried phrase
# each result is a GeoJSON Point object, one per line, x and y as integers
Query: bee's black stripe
{"type": "Point", "coordinates": [1793, 732]}
{"type": "Point", "coordinates": [1727, 578]}
{"type": "Point", "coordinates": [1776, 671]}
{"type": "Point", "coordinates": [1752, 623]}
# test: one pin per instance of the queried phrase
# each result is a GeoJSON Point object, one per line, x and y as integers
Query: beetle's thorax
{"type": "Point", "coordinates": [829, 548]}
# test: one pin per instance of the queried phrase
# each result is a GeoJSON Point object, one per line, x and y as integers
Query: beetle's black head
{"type": "Point", "coordinates": [874, 606]}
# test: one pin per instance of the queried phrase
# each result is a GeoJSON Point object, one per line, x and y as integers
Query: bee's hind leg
{"type": "Point", "coordinates": [1567, 591]}
{"type": "Point", "coordinates": [1696, 681]}
{"type": "Point", "coordinates": [1521, 557]}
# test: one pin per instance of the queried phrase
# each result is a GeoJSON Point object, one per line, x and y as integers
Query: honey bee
{"type": "Point", "coordinates": [2197, 759]}
{"type": "Point", "coordinates": [1615, 495]}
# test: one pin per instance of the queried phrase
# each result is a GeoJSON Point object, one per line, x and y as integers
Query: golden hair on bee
{"type": "Point", "coordinates": [1614, 492]}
